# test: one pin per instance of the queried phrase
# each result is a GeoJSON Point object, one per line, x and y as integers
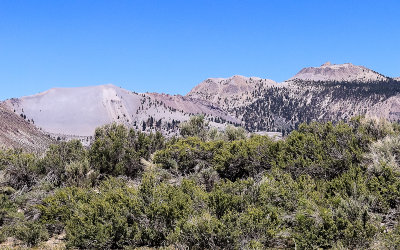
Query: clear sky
{"type": "Point", "coordinates": [170, 46]}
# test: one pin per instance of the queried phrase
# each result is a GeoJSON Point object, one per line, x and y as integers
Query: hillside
{"type": "Point", "coordinates": [18, 133]}
{"type": "Point", "coordinates": [231, 92]}
{"type": "Point", "coordinates": [79, 111]}
{"type": "Point", "coordinates": [329, 92]}
{"type": "Point", "coordinates": [297, 101]}
{"type": "Point", "coordinates": [189, 105]}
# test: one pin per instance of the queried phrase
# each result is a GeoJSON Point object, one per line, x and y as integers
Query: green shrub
{"type": "Point", "coordinates": [279, 190]}
{"type": "Point", "coordinates": [232, 160]}
{"type": "Point", "coordinates": [202, 231]}
{"type": "Point", "coordinates": [6, 208]}
{"type": "Point", "coordinates": [164, 206]}
{"type": "Point", "coordinates": [196, 126]}
{"type": "Point", "coordinates": [185, 156]}
{"type": "Point", "coordinates": [322, 151]}
{"type": "Point", "coordinates": [231, 196]}
{"type": "Point", "coordinates": [323, 186]}
{"type": "Point", "coordinates": [3, 235]}
{"type": "Point", "coordinates": [58, 158]}
{"type": "Point", "coordinates": [31, 233]}
{"type": "Point", "coordinates": [243, 158]}
{"type": "Point", "coordinates": [58, 208]}
{"type": "Point", "coordinates": [117, 150]}
{"type": "Point", "coordinates": [22, 170]}
{"type": "Point", "coordinates": [259, 224]}
{"type": "Point", "coordinates": [106, 220]}
{"type": "Point", "coordinates": [234, 133]}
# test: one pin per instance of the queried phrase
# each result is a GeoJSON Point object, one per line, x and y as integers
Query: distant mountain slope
{"type": "Point", "coordinates": [78, 111]}
{"type": "Point", "coordinates": [192, 106]}
{"type": "Point", "coordinates": [339, 72]}
{"type": "Point", "coordinates": [16, 132]}
{"type": "Point", "coordinates": [329, 92]}
{"type": "Point", "coordinates": [231, 92]}
{"type": "Point", "coordinates": [326, 93]}
{"type": "Point", "coordinates": [301, 101]}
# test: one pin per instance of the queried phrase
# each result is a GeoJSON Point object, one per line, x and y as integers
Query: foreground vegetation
{"type": "Point", "coordinates": [323, 186]}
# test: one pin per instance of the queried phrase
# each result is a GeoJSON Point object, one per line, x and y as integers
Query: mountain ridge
{"type": "Point", "coordinates": [313, 94]}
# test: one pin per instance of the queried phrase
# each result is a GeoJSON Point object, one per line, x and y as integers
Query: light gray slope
{"type": "Point", "coordinates": [74, 111]}
{"type": "Point", "coordinates": [16, 132]}
{"type": "Point", "coordinates": [78, 111]}
{"type": "Point", "coordinates": [338, 72]}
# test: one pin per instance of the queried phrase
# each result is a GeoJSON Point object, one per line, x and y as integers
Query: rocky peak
{"type": "Point", "coordinates": [339, 72]}
{"type": "Point", "coordinates": [232, 91]}
{"type": "Point", "coordinates": [326, 64]}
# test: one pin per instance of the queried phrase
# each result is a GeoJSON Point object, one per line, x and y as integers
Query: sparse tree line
{"type": "Point", "coordinates": [323, 186]}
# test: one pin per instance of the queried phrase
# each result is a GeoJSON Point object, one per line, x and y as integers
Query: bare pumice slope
{"type": "Point", "coordinates": [78, 111]}
{"type": "Point", "coordinates": [329, 92]}
{"type": "Point", "coordinates": [15, 132]}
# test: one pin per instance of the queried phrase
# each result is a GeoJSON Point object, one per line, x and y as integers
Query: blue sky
{"type": "Point", "coordinates": [170, 46]}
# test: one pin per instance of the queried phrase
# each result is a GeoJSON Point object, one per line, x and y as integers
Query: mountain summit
{"type": "Point", "coordinates": [231, 92]}
{"type": "Point", "coordinates": [339, 72]}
